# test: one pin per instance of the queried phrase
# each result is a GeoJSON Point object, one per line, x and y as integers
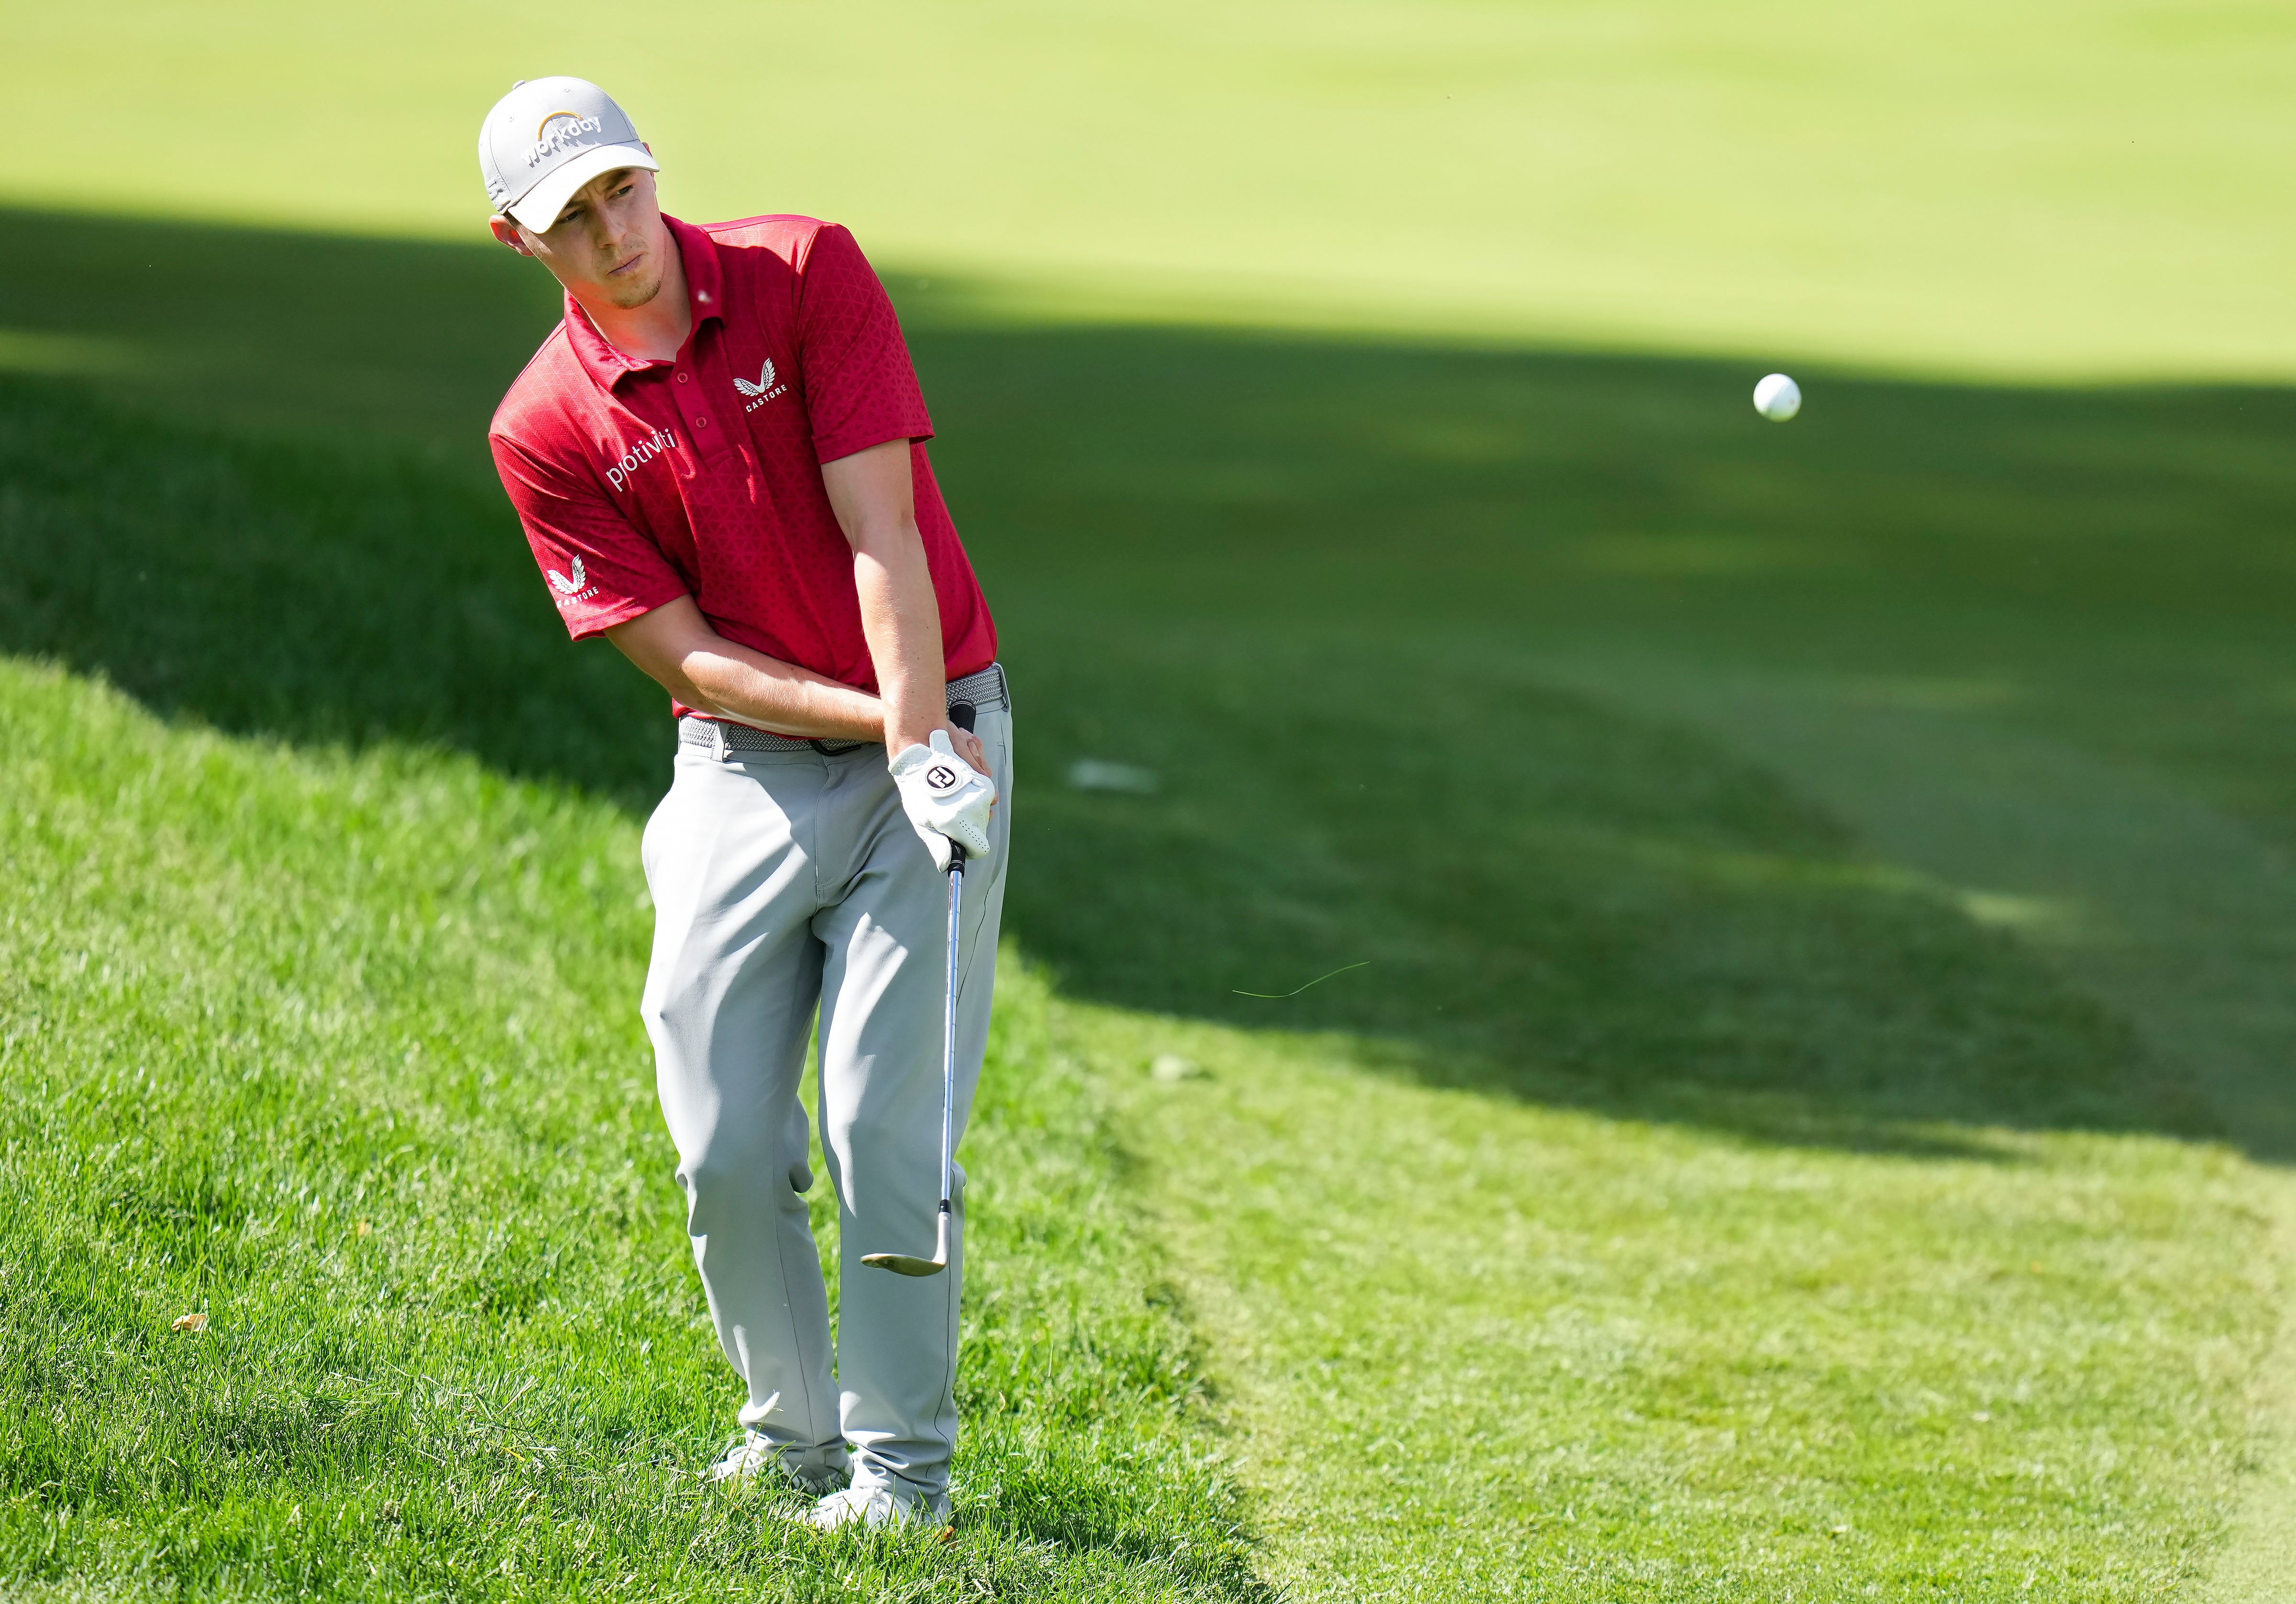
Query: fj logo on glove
{"type": "Point", "coordinates": [946, 798]}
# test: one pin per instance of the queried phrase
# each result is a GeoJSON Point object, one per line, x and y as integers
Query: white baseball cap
{"type": "Point", "coordinates": [548, 138]}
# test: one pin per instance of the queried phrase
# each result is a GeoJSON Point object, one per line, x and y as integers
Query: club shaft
{"type": "Point", "coordinates": [948, 1032]}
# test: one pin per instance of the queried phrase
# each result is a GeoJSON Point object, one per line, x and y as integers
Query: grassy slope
{"type": "Point", "coordinates": [1471, 1337]}
{"type": "Point", "coordinates": [338, 1052]}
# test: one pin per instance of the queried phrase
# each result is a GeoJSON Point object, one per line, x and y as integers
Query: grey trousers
{"type": "Point", "coordinates": [787, 886]}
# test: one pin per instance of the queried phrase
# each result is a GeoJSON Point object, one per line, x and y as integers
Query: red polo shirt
{"type": "Point", "coordinates": [640, 481]}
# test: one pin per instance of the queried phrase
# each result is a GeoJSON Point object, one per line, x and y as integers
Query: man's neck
{"type": "Point", "coordinates": [655, 331]}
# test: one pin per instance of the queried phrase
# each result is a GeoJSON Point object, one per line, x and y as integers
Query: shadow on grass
{"type": "Point", "coordinates": [1303, 584]}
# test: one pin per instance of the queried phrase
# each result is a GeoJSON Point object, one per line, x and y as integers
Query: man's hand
{"type": "Point", "coordinates": [968, 745]}
{"type": "Point", "coordinates": [946, 798]}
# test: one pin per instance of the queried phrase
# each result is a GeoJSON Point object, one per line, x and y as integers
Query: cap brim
{"type": "Point", "coordinates": [538, 208]}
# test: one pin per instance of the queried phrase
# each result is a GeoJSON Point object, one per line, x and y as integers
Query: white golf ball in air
{"type": "Point", "coordinates": [1777, 398]}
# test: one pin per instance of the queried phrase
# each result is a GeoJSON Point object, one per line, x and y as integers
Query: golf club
{"type": "Point", "coordinates": [901, 1264]}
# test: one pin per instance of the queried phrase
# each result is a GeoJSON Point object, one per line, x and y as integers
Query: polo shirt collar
{"type": "Point", "coordinates": [705, 286]}
{"type": "Point", "coordinates": [705, 280]}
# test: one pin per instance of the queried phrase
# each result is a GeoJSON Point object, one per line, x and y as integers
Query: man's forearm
{"type": "Point", "coordinates": [901, 619]}
{"type": "Point", "coordinates": [783, 697]}
{"type": "Point", "coordinates": [900, 616]}
{"type": "Point", "coordinates": [677, 647]}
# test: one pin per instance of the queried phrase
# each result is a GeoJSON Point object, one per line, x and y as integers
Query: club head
{"type": "Point", "coordinates": [901, 1264]}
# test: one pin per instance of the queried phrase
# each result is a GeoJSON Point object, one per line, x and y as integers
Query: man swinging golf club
{"type": "Point", "coordinates": [720, 459]}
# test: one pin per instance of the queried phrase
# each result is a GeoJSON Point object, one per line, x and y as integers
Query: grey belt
{"type": "Point", "coordinates": [722, 736]}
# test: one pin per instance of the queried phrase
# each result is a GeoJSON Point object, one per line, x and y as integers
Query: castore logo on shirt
{"type": "Point", "coordinates": [571, 590]}
{"type": "Point", "coordinates": [765, 389]}
{"type": "Point", "coordinates": [638, 455]}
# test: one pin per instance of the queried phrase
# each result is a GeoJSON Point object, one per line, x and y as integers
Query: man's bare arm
{"type": "Point", "coordinates": [900, 617]}
{"type": "Point", "coordinates": [676, 646]}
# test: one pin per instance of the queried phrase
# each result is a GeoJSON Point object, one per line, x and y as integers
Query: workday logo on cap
{"type": "Point", "coordinates": [560, 131]}
{"type": "Point", "coordinates": [548, 138]}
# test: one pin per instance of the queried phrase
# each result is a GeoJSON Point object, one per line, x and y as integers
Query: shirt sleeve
{"type": "Point", "coordinates": [860, 388]}
{"type": "Point", "coordinates": [600, 571]}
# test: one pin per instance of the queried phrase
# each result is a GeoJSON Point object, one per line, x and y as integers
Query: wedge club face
{"type": "Point", "coordinates": [901, 1264]}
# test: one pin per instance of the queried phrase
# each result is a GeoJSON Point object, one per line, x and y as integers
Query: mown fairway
{"type": "Point", "coordinates": [1808, 1120]}
{"type": "Point", "coordinates": [2068, 186]}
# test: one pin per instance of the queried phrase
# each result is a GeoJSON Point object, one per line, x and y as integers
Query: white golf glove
{"type": "Point", "coordinates": [946, 798]}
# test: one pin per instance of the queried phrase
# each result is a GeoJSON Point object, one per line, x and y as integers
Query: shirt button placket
{"type": "Point", "coordinates": [688, 401]}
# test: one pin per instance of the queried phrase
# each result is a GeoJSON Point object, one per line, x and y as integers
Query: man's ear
{"type": "Point", "coordinates": [507, 232]}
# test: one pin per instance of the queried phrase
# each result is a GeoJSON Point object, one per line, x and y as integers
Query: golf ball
{"type": "Point", "coordinates": [1777, 398]}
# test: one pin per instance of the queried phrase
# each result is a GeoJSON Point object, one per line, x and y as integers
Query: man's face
{"type": "Point", "coordinates": [608, 242]}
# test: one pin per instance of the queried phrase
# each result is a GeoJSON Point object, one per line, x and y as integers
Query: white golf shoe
{"type": "Point", "coordinates": [875, 1504]}
{"type": "Point", "coordinates": [753, 1455]}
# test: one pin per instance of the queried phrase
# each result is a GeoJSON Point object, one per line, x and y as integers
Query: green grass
{"type": "Point", "coordinates": [338, 1052]}
{"type": "Point", "coordinates": [2068, 187]}
{"type": "Point", "coordinates": [1504, 1351]}
{"type": "Point", "coordinates": [1663, 1195]}
{"type": "Point", "coordinates": [1821, 894]}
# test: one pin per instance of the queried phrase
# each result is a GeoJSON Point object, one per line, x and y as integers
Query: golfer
{"type": "Point", "coordinates": [720, 460]}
